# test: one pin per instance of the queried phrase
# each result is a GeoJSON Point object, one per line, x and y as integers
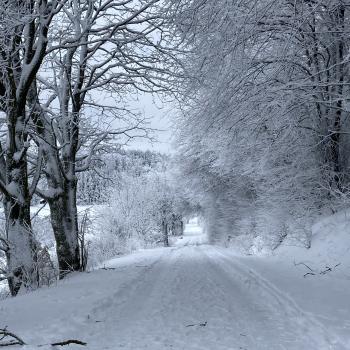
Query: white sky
{"type": "Point", "coordinates": [161, 115]}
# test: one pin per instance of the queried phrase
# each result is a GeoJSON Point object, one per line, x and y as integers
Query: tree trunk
{"type": "Point", "coordinates": [61, 194]}
{"type": "Point", "coordinates": [22, 253]}
{"type": "Point", "coordinates": [336, 126]}
{"type": "Point", "coordinates": [165, 233]}
{"type": "Point", "coordinates": [64, 220]}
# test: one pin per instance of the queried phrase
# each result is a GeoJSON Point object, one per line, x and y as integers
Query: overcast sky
{"type": "Point", "coordinates": [161, 116]}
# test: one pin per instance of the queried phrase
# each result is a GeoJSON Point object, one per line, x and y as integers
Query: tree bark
{"type": "Point", "coordinates": [64, 220]}
{"type": "Point", "coordinates": [61, 193]}
{"type": "Point", "coordinates": [22, 252]}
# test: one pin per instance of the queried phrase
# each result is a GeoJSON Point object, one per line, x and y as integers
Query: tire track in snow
{"type": "Point", "coordinates": [328, 339]}
{"type": "Point", "coordinates": [126, 312]}
{"type": "Point", "coordinates": [156, 297]}
{"type": "Point", "coordinates": [175, 291]}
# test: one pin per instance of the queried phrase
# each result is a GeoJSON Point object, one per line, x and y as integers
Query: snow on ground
{"type": "Point", "coordinates": [189, 296]}
{"type": "Point", "coordinates": [318, 279]}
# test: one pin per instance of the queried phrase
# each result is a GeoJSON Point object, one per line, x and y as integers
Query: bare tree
{"type": "Point", "coordinates": [100, 53]}
{"type": "Point", "coordinates": [23, 45]}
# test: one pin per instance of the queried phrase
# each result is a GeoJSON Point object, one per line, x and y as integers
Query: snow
{"type": "Point", "coordinates": [303, 274]}
{"type": "Point", "coordinates": [189, 296]}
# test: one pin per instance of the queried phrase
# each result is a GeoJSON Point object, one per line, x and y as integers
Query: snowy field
{"type": "Point", "coordinates": [189, 296]}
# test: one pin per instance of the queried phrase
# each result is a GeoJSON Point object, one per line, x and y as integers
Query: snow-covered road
{"type": "Point", "coordinates": [190, 296]}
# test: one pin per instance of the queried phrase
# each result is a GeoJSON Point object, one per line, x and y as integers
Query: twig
{"type": "Point", "coordinates": [313, 272]}
{"type": "Point", "coordinates": [107, 268]}
{"type": "Point", "coordinates": [4, 333]}
{"type": "Point", "coordinates": [68, 342]}
{"type": "Point", "coordinates": [198, 324]}
{"type": "Point", "coordinates": [329, 269]}
{"type": "Point", "coordinates": [301, 263]}
{"type": "Point", "coordinates": [309, 273]}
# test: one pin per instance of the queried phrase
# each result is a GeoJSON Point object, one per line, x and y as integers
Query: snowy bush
{"type": "Point", "coordinates": [143, 208]}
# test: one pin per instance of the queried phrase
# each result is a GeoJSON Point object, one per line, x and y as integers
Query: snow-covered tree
{"type": "Point", "coordinates": [95, 185]}
{"type": "Point", "coordinates": [68, 69]}
{"type": "Point", "coordinates": [265, 126]}
{"type": "Point", "coordinates": [23, 45]}
{"type": "Point", "coordinates": [145, 206]}
{"type": "Point", "coordinates": [100, 52]}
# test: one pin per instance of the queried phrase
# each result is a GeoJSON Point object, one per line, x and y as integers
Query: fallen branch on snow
{"type": "Point", "coordinates": [301, 263]}
{"type": "Point", "coordinates": [108, 268]}
{"type": "Point", "coordinates": [198, 324]}
{"type": "Point", "coordinates": [13, 338]}
{"type": "Point", "coordinates": [309, 273]}
{"type": "Point", "coordinates": [68, 342]}
{"type": "Point", "coordinates": [313, 272]}
{"type": "Point", "coordinates": [329, 269]}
